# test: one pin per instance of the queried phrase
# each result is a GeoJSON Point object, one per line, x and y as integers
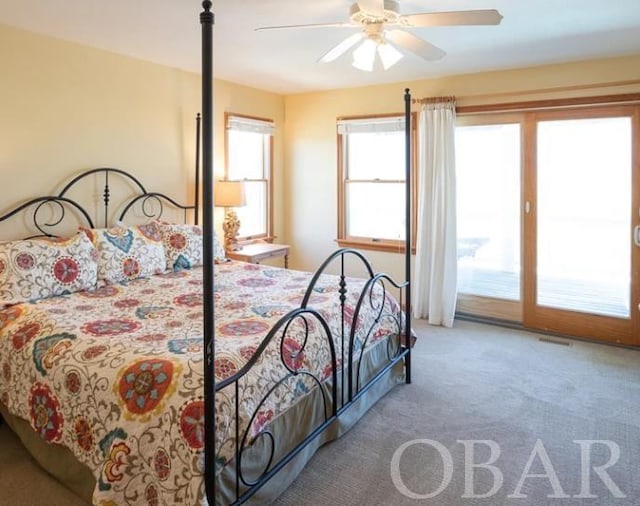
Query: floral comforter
{"type": "Point", "coordinates": [116, 374]}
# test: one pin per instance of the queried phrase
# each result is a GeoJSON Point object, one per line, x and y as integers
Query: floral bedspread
{"type": "Point", "coordinates": [116, 374]}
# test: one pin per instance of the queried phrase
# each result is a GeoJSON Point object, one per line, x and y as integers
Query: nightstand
{"type": "Point", "coordinates": [256, 252]}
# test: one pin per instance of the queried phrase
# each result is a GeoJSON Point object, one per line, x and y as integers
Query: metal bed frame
{"type": "Point", "coordinates": [345, 385]}
{"type": "Point", "coordinates": [150, 204]}
{"type": "Point", "coordinates": [339, 382]}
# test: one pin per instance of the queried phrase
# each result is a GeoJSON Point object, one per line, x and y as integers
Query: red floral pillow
{"type": "Point", "coordinates": [37, 268]}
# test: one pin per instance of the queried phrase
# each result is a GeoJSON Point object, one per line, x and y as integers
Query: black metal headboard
{"type": "Point", "coordinates": [150, 204]}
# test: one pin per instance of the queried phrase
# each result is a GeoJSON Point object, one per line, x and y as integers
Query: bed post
{"type": "Point", "coordinates": [207, 21]}
{"type": "Point", "coordinates": [196, 200]}
{"type": "Point", "coordinates": [407, 252]}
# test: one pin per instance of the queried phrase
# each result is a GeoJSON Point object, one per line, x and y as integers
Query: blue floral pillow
{"type": "Point", "coordinates": [182, 245]}
{"type": "Point", "coordinates": [126, 253]}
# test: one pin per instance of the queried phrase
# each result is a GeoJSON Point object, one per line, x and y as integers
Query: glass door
{"type": "Point", "coordinates": [548, 208]}
{"type": "Point", "coordinates": [488, 190]}
{"type": "Point", "coordinates": [580, 214]}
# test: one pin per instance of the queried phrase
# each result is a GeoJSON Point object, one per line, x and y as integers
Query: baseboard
{"type": "Point", "coordinates": [519, 326]}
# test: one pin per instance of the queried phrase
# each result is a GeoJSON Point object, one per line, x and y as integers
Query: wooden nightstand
{"type": "Point", "coordinates": [256, 252]}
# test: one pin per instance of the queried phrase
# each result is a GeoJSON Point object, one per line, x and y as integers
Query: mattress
{"type": "Point", "coordinates": [115, 376]}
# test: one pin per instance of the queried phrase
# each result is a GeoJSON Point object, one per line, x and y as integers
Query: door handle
{"type": "Point", "coordinates": [636, 235]}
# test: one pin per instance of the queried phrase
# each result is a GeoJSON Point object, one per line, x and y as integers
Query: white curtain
{"type": "Point", "coordinates": [434, 285]}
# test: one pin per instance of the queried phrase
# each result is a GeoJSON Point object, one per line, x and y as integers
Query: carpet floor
{"type": "Point", "coordinates": [493, 417]}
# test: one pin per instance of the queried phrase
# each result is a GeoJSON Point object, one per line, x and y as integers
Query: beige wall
{"type": "Point", "coordinates": [310, 133]}
{"type": "Point", "coordinates": [65, 108]}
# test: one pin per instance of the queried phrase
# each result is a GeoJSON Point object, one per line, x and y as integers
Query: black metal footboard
{"type": "Point", "coordinates": [306, 363]}
{"type": "Point", "coordinates": [345, 384]}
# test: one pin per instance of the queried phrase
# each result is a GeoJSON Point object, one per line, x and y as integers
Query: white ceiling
{"type": "Point", "coordinates": [533, 32]}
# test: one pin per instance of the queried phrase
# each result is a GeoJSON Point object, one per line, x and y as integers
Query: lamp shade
{"type": "Point", "coordinates": [229, 194]}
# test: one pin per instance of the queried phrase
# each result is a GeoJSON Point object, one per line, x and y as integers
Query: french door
{"type": "Point", "coordinates": [559, 247]}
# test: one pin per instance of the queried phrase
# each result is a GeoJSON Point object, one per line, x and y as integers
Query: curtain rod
{"type": "Point", "coordinates": [544, 104]}
{"type": "Point", "coordinates": [433, 100]}
{"type": "Point", "coordinates": [553, 103]}
{"type": "Point", "coordinates": [538, 91]}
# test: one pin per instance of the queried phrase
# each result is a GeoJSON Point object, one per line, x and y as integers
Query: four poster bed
{"type": "Point", "coordinates": [110, 372]}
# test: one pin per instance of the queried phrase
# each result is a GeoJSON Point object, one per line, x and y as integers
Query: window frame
{"type": "Point", "coordinates": [268, 171]}
{"type": "Point", "coordinates": [373, 243]}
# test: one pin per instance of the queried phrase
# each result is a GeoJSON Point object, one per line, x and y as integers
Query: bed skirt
{"type": "Point", "coordinates": [55, 459]}
{"type": "Point", "coordinates": [63, 466]}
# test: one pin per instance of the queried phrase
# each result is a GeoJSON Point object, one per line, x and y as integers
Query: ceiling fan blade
{"type": "Point", "coordinates": [375, 7]}
{"type": "Point", "coordinates": [415, 44]}
{"type": "Point", "coordinates": [477, 17]}
{"type": "Point", "coordinates": [318, 25]}
{"type": "Point", "coordinates": [342, 48]}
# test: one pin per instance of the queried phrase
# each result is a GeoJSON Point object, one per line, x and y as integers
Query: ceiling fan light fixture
{"type": "Point", "coordinates": [341, 48]}
{"type": "Point", "coordinates": [364, 55]}
{"type": "Point", "coordinates": [375, 16]}
{"type": "Point", "coordinates": [389, 55]}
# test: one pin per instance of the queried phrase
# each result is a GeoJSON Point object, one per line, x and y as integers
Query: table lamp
{"type": "Point", "coordinates": [230, 194]}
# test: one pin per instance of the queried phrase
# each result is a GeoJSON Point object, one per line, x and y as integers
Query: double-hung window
{"type": "Point", "coordinates": [372, 182]}
{"type": "Point", "coordinates": [250, 159]}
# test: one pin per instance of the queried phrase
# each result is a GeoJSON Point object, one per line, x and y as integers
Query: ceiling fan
{"type": "Point", "coordinates": [375, 16]}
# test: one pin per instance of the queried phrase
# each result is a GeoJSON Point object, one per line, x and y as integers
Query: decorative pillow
{"type": "Point", "coordinates": [182, 245]}
{"type": "Point", "coordinates": [37, 268]}
{"type": "Point", "coordinates": [128, 252]}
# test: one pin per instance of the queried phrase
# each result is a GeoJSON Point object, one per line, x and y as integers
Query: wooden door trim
{"type": "Point", "coordinates": [530, 224]}
{"type": "Point", "coordinates": [591, 326]}
{"type": "Point", "coordinates": [490, 307]}
{"type": "Point", "coordinates": [635, 221]}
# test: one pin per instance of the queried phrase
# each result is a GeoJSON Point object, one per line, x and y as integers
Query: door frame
{"type": "Point", "coordinates": [565, 322]}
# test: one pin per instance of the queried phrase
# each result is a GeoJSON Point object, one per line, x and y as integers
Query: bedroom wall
{"type": "Point", "coordinates": [65, 107]}
{"type": "Point", "coordinates": [310, 133]}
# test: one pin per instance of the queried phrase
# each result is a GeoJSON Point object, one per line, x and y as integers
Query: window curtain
{"type": "Point", "coordinates": [434, 292]}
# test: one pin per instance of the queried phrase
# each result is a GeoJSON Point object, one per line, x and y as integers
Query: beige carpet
{"type": "Point", "coordinates": [473, 382]}
{"type": "Point", "coordinates": [480, 382]}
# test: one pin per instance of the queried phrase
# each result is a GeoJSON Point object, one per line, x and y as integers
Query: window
{"type": "Point", "coordinates": [371, 190]}
{"type": "Point", "coordinates": [250, 158]}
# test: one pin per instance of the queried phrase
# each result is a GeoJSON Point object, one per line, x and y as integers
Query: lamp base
{"type": "Point", "coordinates": [230, 226]}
